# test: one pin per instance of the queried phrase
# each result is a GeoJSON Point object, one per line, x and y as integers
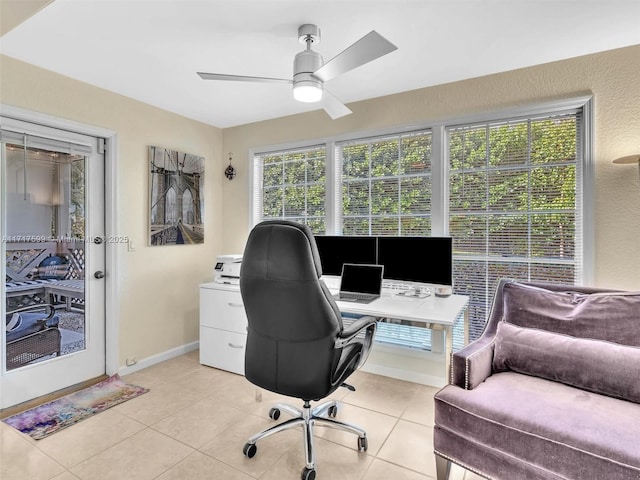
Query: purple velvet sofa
{"type": "Point", "coordinates": [551, 390]}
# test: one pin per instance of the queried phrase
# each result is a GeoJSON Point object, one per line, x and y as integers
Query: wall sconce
{"type": "Point", "coordinates": [230, 172]}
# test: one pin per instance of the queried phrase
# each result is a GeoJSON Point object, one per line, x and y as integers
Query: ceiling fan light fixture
{"type": "Point", "coordinates": [307, 91]}
{"type": "Point", "coordinates": [306, 87]}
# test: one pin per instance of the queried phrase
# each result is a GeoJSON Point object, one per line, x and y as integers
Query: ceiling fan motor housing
{"type": "Point", "coordinates": [305, 63]}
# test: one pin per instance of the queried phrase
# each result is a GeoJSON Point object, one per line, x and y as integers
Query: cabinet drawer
{"type": "Point", "coordinates": [224, 350]}
{"type": "Point", "coordinates": [222, 309]}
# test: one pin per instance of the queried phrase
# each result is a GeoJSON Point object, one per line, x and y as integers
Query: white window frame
{"type": "Point", "coordinates": [440, 169]}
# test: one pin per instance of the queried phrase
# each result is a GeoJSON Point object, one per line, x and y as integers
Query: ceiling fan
{"type": "Point", "coordinates": [310, 72]}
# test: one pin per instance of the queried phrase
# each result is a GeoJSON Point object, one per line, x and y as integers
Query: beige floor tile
{"type": "Point", "coordinates": [142, 456]}
{"type": "Point", "coordinates": [199, 466]}
{"type": "Point", "coordinates": [377, 425]}
{"type": "Point", "coordinates": [333, 461]}
{"type": "Point", "coordinates": [203, 382]}
{"type": "Point", "coordinates": [191, 406]}
{"type": "Point", "coordinates": [227, 447]}
{"type": "Point", "coordinates": [157, 404]}
{"type": "Point", "coordinates": [381, 470]}
{"type": "Point", "coordinates": [420, 408]}
{"type": "Point", "coordinates": [89, 437]}
{"type": "Point", "coordinates": [173, 369]}
{"type": "Point", "coordinates": [20, 459]}
{"type": "Point", "coordinates": [142, 380]}
{"type": "Point", "coordinates": [238, 391]}
{"type": "Point", "coordinates": [199, 423]}
{"type": "Point", "coordinates": [193, 355]}
{"type": "Point", "coordinates": [65, 476]}
{"type": "Point", "coordinates": [382, 394]}
{"type": "Point", "coordinates": [410, 445]}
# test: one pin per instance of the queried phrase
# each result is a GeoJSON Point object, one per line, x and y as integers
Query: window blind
{"type": "Point", "coordinates": [385, 183]}
{"type": "Point", "coordinates": [514, 205]}
{"type": "Point", "coordinates": [291, 184]}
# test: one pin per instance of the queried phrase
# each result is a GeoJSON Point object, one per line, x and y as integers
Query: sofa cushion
{"type": "Point", "coordinates": [611, 316]}
{"type": "Point", "coordinates": [549, 425]}
{"type": "Point", "coordinates": [594, 365]}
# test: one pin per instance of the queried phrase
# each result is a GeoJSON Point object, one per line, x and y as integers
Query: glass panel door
{"type": "Point", "coordinates": [44, 242]}
{"type": "Point", "coordinates": [53, 337]}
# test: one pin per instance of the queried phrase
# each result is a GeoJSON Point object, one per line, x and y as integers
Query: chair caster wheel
{"type": "Point", "coordinates": [363, 444]}
{"type": "Point", "coordinates": [333, 411]}
{"type": "Point", "coordinates": [308, 474]}
{"type": "Point", "coordinates": [249, 450]}
{"type": "Point", "coordinates": [274, 413]}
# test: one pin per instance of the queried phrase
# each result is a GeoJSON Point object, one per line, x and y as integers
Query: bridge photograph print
{"type": "Point", "coordinates": [176, 182]}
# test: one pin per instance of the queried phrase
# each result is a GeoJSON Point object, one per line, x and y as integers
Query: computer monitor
{"type": "Point", "coordinates": [336, 250]}
{"type": "Point", "coordinates": [416, 259]}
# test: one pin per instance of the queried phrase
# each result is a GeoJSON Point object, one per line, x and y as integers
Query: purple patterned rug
{"type": "Point", "coordinates": [51, 417]}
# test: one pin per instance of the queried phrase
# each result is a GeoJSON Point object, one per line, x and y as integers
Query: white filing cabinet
{"type": "Point", "coordinates": [223, 327]}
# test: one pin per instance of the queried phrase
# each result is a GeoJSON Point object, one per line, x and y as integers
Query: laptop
{"type": "Point", "coordinates": [360, 283]}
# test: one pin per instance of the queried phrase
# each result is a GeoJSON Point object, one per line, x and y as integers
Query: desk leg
{"type": "Point", "coordinates": [466, 326]}
{"type": "Point", "coordinates": [438, 341]}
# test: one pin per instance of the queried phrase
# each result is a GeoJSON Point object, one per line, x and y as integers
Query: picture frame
{"type": "Point", "coordinates": [176, 197]}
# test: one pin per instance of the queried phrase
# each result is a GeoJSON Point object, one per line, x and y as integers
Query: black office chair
{"type": "Point", "coordinates": [296, 343]}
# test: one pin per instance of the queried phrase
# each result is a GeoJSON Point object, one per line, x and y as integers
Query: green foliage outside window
{"type": "Point", "coordinates": [513, 203]}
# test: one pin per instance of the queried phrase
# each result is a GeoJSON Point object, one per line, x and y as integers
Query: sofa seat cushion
{"type": "Point", "coordinates": [552, 426]}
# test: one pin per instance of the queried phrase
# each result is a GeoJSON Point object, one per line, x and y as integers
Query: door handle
{"type": "Point", "coordinates": [235, 345]}
{"type": "Point", "coordinates": [99, 274]}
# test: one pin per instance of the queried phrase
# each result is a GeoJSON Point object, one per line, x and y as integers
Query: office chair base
{"type": "Point", "coordinates": [306, 418]}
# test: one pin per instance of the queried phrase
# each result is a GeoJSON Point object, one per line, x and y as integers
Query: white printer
{"type": "Point", "coordinates": [227, 269]}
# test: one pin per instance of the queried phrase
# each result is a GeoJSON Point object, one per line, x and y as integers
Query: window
{"type": "Point", "coordinates": [510, 191]}
{"type": "Point", "coordinates": [385, 185]}
{"type": "Point", "coordinates": [291, 185]}
{"type": "Point", "coordinates": [514, 205]}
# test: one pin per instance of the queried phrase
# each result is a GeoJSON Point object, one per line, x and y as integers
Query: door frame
{"type": "Point", "coordinates": [112, 320]}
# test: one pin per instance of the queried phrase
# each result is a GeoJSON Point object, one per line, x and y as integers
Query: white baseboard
{"type": "Point", "coordinates": [160, 357]}
{"type": "Point", "coordinates": [406, 374]}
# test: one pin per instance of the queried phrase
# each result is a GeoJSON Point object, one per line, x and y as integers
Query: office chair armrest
{"type": "Point", "coordinates": [353, 330]}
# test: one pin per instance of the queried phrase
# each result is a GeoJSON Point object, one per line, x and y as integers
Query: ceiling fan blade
{"type": "Point", "coordinates": [334, 107]}
{"type": "Point", "coordinates": [368, 48]}
{"type": "Point", "coordinates": [241, 78]}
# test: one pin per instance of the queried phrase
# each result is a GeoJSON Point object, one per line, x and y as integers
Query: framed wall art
{"type": "Point", "coordinates": [176, 201]}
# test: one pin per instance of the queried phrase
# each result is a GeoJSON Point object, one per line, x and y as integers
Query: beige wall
{"type": "Point", "coordinates": [157, 286]}
{"type": "Point", "coordinates": [611, 77]}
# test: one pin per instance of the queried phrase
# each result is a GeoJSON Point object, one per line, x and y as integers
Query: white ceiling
{"type": "Point", "coordinates": [150, 50]}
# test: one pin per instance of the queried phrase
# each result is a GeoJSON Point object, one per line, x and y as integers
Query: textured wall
{"type": "Point", "coordinates": [158, 286]}
{"type": "Point", "coordinates": [611, 77]}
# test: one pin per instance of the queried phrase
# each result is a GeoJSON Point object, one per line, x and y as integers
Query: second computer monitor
{"type": "Point", "coordinates": [416, 259]}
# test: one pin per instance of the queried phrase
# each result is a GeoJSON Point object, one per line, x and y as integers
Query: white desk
{"type": "Point", "coordinates": [431, 312]}
{"type": "Point", "coordinates": [223, 321]}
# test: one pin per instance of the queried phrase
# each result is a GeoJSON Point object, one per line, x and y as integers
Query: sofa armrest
{"type": "Point", "coordinates": [473, 364]}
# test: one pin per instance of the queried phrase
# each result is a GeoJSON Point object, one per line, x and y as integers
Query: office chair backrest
{"type": "Point", "coordinates": [293, 319]}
